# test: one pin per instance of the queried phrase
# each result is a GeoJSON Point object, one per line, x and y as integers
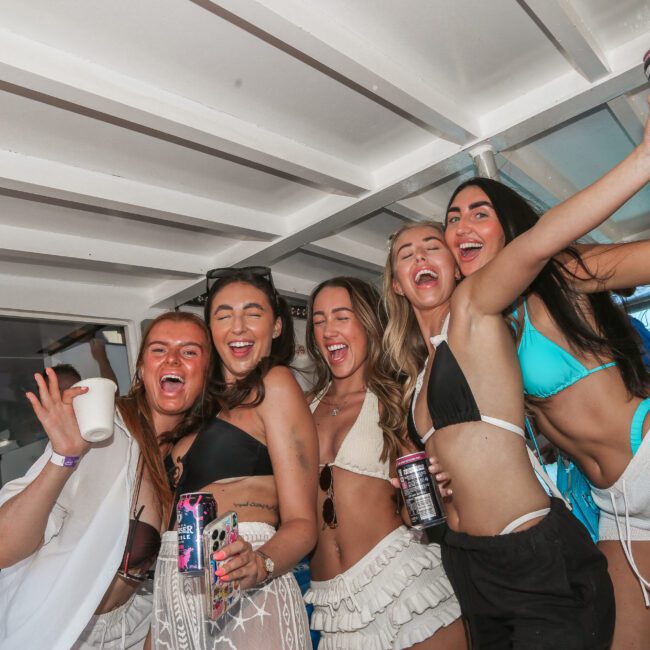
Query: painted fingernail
{"type": "Point", "coordinates": [225, 577]}
{"type": "Point", "coordinates": [220, 572]}
{"type": "Point", "coordinates": [219, 555]}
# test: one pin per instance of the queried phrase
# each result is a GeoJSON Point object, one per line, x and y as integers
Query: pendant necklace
{"type": "Point", "coordinates": [337, 408]}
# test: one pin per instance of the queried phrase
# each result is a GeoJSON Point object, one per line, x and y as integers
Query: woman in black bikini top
{"type": "Point", "coordinates": [256, 452]}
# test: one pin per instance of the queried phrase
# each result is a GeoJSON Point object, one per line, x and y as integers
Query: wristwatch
{"type": "Point", "coordinates": [268, 565]}
{"type": "Point", "coordinates": [64, 461]}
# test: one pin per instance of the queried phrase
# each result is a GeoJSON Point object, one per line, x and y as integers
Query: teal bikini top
{"type": "Point", "coordinates": [546, 368]}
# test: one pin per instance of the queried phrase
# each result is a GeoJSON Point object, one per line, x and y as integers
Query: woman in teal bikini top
{"type": "Point", "coordinates": [546, 368]}
{"type": "Point", "coordinates": [578, 333]}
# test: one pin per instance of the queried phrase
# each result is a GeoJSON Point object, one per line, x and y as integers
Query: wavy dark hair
{"type": "Point", "coordinates": [249, 391]}
{"type": "Point", "coordinates": [368, 308]}
{"type": "Point", "coordinates": [136, 413]}
{"type": "Point", "coordinates": [573, 311]}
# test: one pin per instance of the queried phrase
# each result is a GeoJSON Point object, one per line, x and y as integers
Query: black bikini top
{"type": "Point", "coordinates": [449, 398]}
{"type": "Point", "coordinates": [143, 544]}
{"type": "Point", "coordinates": [220, 451]}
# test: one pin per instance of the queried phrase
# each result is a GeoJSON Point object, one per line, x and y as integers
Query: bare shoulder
{"type": "Point", "coordinates": [281, 378]}
{"type": "Point", "coordinates": [281, 388]}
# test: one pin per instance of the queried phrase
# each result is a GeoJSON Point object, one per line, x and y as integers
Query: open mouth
{"type": "Point", "coordinates": [240, 348]}
{"type": "Point", "coordinates": [425, 277]}
{"type": "Point", "coordinates": [171, 383]}
{"type": "Point", "coordinates": [337, 352]}
{"type": "Point", "coordinates": [469, 250]}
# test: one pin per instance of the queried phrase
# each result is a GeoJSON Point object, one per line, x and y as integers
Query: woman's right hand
{"type": "Point", "coordinates": [54, 411]}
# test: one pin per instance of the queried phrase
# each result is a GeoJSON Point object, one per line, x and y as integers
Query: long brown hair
{"type": "Point", "coordinates": [367, 306]}
{"type": "Point", "coordinates": [403, 342]}
{"type": "Point", "coordinates": [136, 413]}
{"type": "Point", "coordinates": [611, 336]}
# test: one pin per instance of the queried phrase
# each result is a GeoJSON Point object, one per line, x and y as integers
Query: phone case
{"type": "Point", "coordinates": [220, 595]}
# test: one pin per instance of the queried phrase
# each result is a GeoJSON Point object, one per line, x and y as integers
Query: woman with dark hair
{"type": "Point", "coordinates": [82, 528]}
{"type": "Point", "coordinates": [583, 375]}
{"type": "Point", "coordinates": [395, 593]}
{"type": "Point", "coordinates": [256, 452]}
{"type": "Point", "coordinates": [524, 569]}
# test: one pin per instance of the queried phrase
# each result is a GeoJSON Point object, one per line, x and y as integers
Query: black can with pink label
{"type": "Point", "coordinates": [421, 494]}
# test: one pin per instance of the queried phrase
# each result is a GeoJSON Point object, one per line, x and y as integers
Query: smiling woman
{"type": "Point", "coordinates": [71, 551]}
{"type": "Point", "coordinates": [256, 452]}
{"type": "Point", "coordinates": [376, 585]}
{"type": "Point", "coordinates": [583, 375]}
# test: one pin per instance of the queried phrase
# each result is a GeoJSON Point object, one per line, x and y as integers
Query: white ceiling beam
{"type": "Point", "coordinates": [528, 165]}
{"type": "Point", "coordinates": [77, 299]}
{"type": "Point", "coordinates": [627, 116]}
{"type": "Point", "coordinates": [313, 37]}
{"type": "Point", "coordinates": [557, 103]}
{"type": "Point", "coordinates": [49, 75]}
{"type": "Point", "coordinates": [46, 246]}
{"type": "Point", "coordinates": [104, 192]}
{"type": "Point", "coordinates": [560, 20]}
{"type": "Point", "coordinates": [171, 293]}
{"type": "Point", "coordinates": [292, 286]}
{"type": "Point", "coordinates": [637, 236]}
{"type": "Point", "coordinates": [348, 251]}
{"type": "Point", "coordinates": [403, 211]}
{"type": "Point", "coordinates": [562, 99]}
{"type": "Point", "coordinates": [428, 207]}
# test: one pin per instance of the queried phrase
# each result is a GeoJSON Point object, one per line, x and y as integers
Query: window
{"type": "Point", "coordinates": [27, 346]}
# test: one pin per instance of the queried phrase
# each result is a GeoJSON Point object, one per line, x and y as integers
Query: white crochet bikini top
{"type": "Point", "coordinates": [363, 443]}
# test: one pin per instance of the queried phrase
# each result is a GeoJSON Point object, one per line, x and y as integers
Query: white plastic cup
{"type": "Point", "coordinates": [95, 409]}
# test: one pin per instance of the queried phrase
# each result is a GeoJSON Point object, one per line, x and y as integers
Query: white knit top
{"type": "Point", "coordinates": [361, 448]}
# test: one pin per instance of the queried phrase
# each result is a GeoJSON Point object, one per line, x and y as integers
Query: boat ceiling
{"type": "Point", "coordinates": [143, 143]}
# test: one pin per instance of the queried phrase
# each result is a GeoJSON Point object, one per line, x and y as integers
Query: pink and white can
{"type": "Point", "coordinates": [195, 510]}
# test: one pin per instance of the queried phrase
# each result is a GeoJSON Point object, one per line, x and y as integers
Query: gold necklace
{"type": "Point", "coordinates": [338, 407]}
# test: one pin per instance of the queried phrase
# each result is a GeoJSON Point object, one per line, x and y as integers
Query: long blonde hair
{"type": "Point", "coordinates": [367, 306]}
{"type": "Point", "coordinates": [403, 342]}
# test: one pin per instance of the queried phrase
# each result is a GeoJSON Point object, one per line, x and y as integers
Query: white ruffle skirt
{"type": "Point", "coordinates": [394, 597]}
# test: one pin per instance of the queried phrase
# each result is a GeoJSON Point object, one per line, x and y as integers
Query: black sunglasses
{"type": "Point", "coordinates": [263, 272]}
{"type": "Point", "coordinates": [326, 481]}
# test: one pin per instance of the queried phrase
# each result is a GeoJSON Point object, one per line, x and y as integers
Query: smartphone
{"type": "Point", "coordinates": [220, 595]}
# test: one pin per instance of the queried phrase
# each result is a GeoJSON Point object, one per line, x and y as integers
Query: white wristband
{"type": "Point", "coordinates": [64, 461]}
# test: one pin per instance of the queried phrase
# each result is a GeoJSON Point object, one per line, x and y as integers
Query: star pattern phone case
{"type": "Point", "coordinates": [220, 595]}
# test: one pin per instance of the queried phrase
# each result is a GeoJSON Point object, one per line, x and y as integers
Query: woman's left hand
{"type": "Point", "coordinates": [238, 562]}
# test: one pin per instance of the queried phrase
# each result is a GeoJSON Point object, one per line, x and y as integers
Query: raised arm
{"type": "Point", "coordinates": [503, 279]}
{"type": "Point", "coordinates": [24, 516]}
{"type": "Point", "coordinates": [609, 266]}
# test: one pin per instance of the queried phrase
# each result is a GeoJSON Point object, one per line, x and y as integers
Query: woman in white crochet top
{"type": "Point", "coordinates": [375, 584]}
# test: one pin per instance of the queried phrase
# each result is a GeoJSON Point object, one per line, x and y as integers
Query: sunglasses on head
{"type": "Point", "coordinates": [326, 481]}
{"type": "Point", "coordinates": [263, 272]}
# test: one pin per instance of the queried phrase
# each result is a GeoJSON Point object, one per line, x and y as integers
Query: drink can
{"type": "Point", "coordinates": [195, 510]}
{"type": "Point", "coordinates": [420, 492]}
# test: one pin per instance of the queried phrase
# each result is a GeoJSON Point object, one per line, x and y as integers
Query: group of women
{"type": "Point", "coordinates": [494, 314]}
